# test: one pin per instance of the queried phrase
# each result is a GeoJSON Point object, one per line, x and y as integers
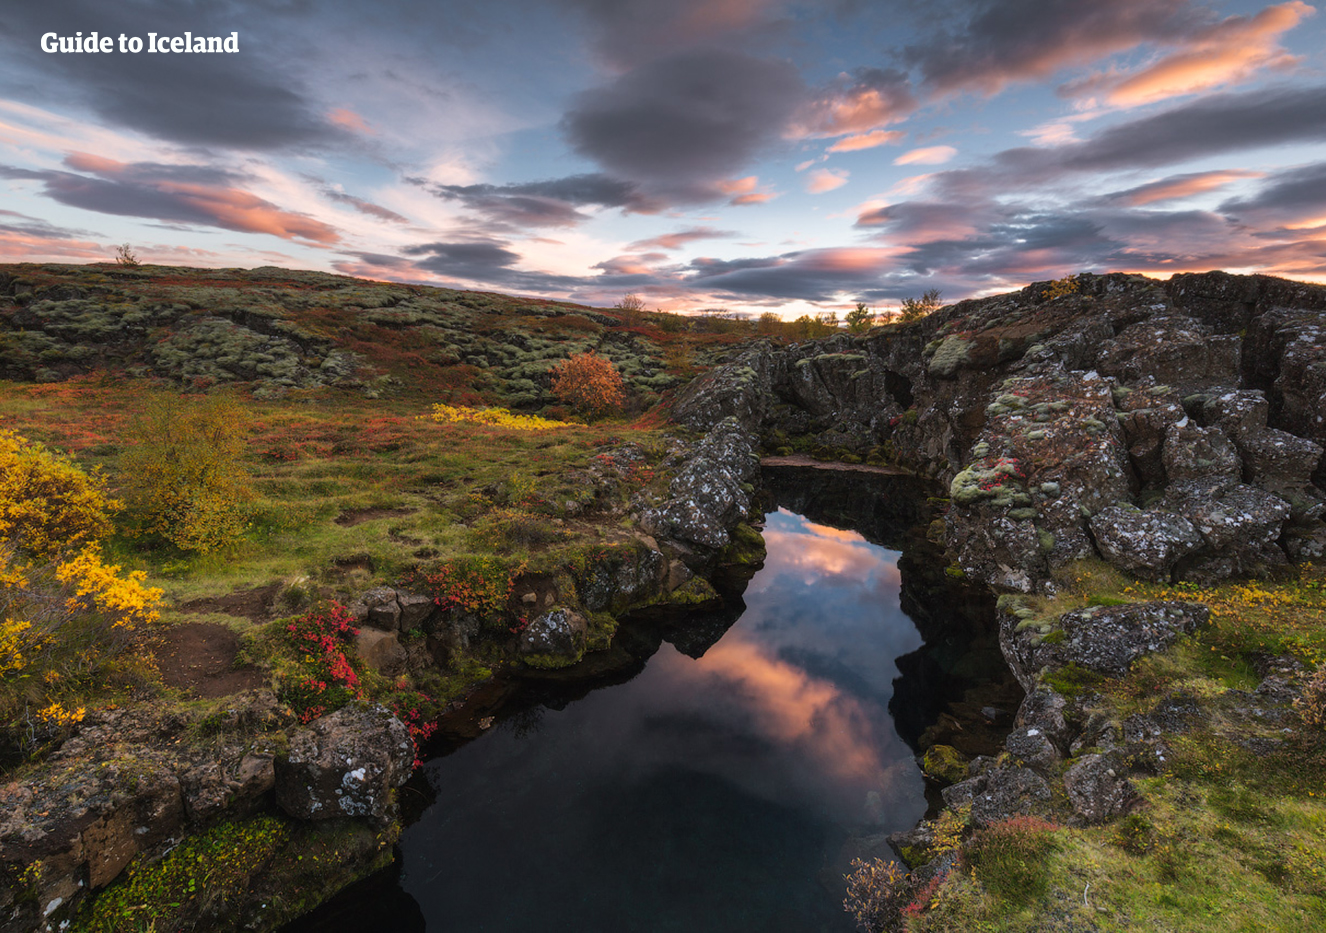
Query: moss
{"type": "Point", "coordinates": [944, 763]}
{"type": "Point", "coordinates": [1072, 680]}
{"type": "Point", "coordinates": [950, 355]}
{"type": "Point", "coordinates": [694, 592]}
{"type": "Point", "coordinates": [746, 547]}
{"type": "Point", "coordinates": [551, 662]}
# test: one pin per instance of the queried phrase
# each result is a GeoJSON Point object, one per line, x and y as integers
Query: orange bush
{"type": "Point", "coordinates": [590, 384]}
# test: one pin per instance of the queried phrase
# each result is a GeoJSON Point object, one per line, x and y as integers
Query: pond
{"type": "Point", "coordinates": [723, 792]}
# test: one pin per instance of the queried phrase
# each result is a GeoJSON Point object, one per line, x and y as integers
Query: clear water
{"type": "Point", "coordinates": [726, 793]}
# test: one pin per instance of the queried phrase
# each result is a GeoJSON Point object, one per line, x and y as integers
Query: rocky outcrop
{"type": "Point", "coordinates": [346, 764]}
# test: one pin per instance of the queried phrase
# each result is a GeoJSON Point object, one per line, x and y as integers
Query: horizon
{"type": "Point", "coordinates": [748, 155]}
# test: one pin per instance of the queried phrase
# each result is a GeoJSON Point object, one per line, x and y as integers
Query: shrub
{"type": "Point", "coordinates": [860, 318]}
{"type": "Point", "coordinates": [913, 309]}
{"type": "Point", "coordinates": [327, 679]}
{"type": "Point", "coordinates": [47, 504]}
{"type": "Point", "coordinates": [590, 384]}
{"type": "Point", "coordinates": [877, 893]}
{"type": "Point", "coordinates": [494, 417]}
{"type": "Point", "coordinates": [1311, 702]}
{"type": "Point", "coordinates": [125, 255]}
{"type": "Point", "coordinates": [184, 475]}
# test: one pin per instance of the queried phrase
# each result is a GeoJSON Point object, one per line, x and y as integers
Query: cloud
{"type": "Point", "coordinates": [1293, 198]}
{"type": "Point", "coordinates": [347, 119]}
{"type": "Point", "coordinates": [549, 203]}
{"type": "Point", "coordinates": [858, 104]}
{"type": "Point", "coordinates": [826, 179]}
{"type": "Point", "coordinates": [680, 124]}
{"type": "Point", "coordinates": [680, 238]}
{"type": "Point", "coordinates": [1229, 52]}
{"type": "Point", "coordinates": [867, 140]}
{"type": "Point", "coordinates": [186, 194]}
{"type": "Point", "coordinates": [488, 262]}
{"type": "Point", "coordinates": [931, 155]}
{"type": "Point", "coordinates": [1179, 186]}
{"type": "Point", "coordinates": [627, 31]}
{"type": "Point", "coordinates": [1007, 41]}
{"type": "Point", "coordinates": [364, 207]}
{"type": "Point", "coordinates": [250, 100]}
{"type": "Point", "coordinates": [744, 191]}
{"type": "Point", "coordinates": [811, 275]}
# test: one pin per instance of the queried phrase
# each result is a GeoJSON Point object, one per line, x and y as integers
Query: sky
{"type": "Point", "coordinates": [751, 155]}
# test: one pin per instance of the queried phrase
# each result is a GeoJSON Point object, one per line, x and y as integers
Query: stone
{"type": "Point", "coordinates": [1172, 349]}
{"type": "Point", "coordinates": [1098, 789]}
{"type": "Point", "coordinates": [415, 610]}
{"type": "Point", "coordinates": [1276, 460]}
{"type": "Point", "coordinates": [377, 607]}
{"type": "Point", "coordinates": [347, 763]}
{"type": "Point", "coordinates": [710, 493]}
{"type": "Point", "coordinates": [1148, 543]}
{"type": "Point", "coordinates": [1033, 748]}
{"type": "Point", "coordinates": [382, 651]}
{"type": "Point", "coordinates": [1193, 452]}
{"type": "Point", "coordinates": [1008, 792]}
{"type": "Point", "coordinates": [944, 763]}
{"type": "Point", "coordinates": [1108, 639]}
{"type": "Point", "coordinates": [1237, 412]}
{"type": "Point", "coordinates": [558, 636]}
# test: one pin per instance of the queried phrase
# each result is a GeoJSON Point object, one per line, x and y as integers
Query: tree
{"type": "Point", "coordinates": [125, 255]}
{"type": "Point", "coordinates": [913, 309]}
{"type": "Point", "coordinates": [769, 324]}
{"type": "Point", "coordinates": [631, 302]}
{"type": "Point", "coordinates": [590, 384]}
{"type": "Point", "coordinates": [184, 475]}
{"type": "Point", "coordinates": [860, 318]}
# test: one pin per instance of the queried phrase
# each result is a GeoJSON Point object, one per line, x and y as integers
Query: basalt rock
{"type": "Point", "coordinates": [348, 763]}
{"type": "Point", "coordinates": [1148, 543]}
{"type": "Point", "coordinates": [1098, 789]}
{"type": "Point", "coordinates": [555, 638]}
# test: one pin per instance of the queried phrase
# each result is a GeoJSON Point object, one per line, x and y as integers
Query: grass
{"type": "Point", "coordinates": [1232, 835]}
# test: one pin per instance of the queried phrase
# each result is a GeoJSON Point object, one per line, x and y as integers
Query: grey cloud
{"type": "Point", "coordinates": [364, 207]}
{"type": "Point", "coordinates": [24, 225]}
{"type": "Point", "coordinates": [625, 32]}
{"type": "Point", "coordinates": [683, 123]}
{"type": "Point", "coordinates": [486, 261]}
{"type": "Point", "coordinates": [246, 100]}
{"type": "Point", "coordinates": [1285, 196]}
{"type": "Point", "coordinates": [549, 203]}
{"type": "Point", "coordinates": [680, 238]}
{"type": "Point", "coordinates": [1010, 40]}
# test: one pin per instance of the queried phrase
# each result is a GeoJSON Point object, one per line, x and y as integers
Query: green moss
{"type": "Point", "coordinates": [1072, 680]}
{"type": "Point", "coordinates": [950, 355]}
{"type": "Point", "coordinates": [944, 763]}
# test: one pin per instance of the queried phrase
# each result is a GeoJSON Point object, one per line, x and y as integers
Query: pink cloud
{"type": "Point", "coordinates": [349, 120]}
{"type": "Point", "coordinates": [867, 140]}
{"type": "Point", "coordinates": [1183, 186]}
{"type": "Point", "coordinates": [1230, 52]}
{"type": "Point", "coordinates": [931, 155]}
{"type": "Point", "coordinates": [680, 238]}
{"type": "Point", "coordinates": [826, 179]}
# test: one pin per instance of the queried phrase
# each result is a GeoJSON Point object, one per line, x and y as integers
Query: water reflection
{"type": "Point", "coordinates": [714, 794]}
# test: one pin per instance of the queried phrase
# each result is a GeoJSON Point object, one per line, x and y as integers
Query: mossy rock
{"type": "Point", "coordinates": [945, 764]}
{"type": "Point", "coordinates": [746, 547]}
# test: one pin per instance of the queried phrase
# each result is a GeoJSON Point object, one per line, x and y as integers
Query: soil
{"type": "Point", "coordinates": [199, 657]}
{"type": "Point", "coordinates": [254, 605]}
{"type": "Point", "coordinates": [359, 516]}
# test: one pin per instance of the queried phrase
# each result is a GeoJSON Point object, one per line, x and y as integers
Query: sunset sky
{"type": "Point", "coordinates": [745, 154]}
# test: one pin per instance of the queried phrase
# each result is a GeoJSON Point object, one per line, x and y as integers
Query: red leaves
{"type": "Point", "coordinates": [590, 384]}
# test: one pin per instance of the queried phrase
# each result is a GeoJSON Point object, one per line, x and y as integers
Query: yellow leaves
{"type": "Point", "coordinates": [494, 417]}
{"type": "Point", "coordinates": [185, 475]}
{"type": "Point", "coordinates": [57, 715]}
{"type": "Point", "coordinates": [127, 600]}
{"type": "Point", "coordinates": [47, 504]}
{"type": "Point", "coordinates": [12, 645]}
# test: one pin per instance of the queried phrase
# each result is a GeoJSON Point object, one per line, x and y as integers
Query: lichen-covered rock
{"type": "Point", "coordinates": [1098, 789]}
{"type": "Point", "coordinates": [1237, 412]}
{"type": "Point", "coordinates": [1108, 639]}
{"type": "Point", "coordinates": [348, 763]}
{"type": "Point", "coordinates": [1146, 415]}
{"type": "Point", "coordinates": [1287, 354]}
{"type": "Point", "coordinates": [711, 493]}
{"type": "Point", "coordinates": [1148, 543]}
{"type": "Point", "coordinates": [381, 651]}
{"type": "Point", "coordinates": [415, 610]}
{"type": "Point", "coordinates": [739, 390]}
{"type": "Point", "coordinates": [1192, 452]}
{"type": "Point", "coordinates": [944, 763]}
{"type": "Point", "coordinates": [1031, 746]}
{"type": "Point", "coordinates": [1277, 460]}
{"type": "Point", "coordinates": [1008, 792]}
{"type": "Point", "coordinates": [555, 639]}
{"type": "Point", "coordinates": [1239, 525]}
{"type": "Point", "coordinates": [1173, 350]}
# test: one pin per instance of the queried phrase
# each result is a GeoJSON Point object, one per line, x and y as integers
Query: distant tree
{"type": "Point", "coordinates": [913, 309]}
{"type": "Point", "coordinates": [827, 322]}
{"type": "Point", "coordinates": [184, 474]}
{"type": "Point", "coordinates": [860, 318]}
{"type": "Point", "coordinates": [125, 255]}
{"type": "Point", "coordinates": [590, 384]}
{"type": "Point", "coordinates": [631, 302]}
{"type": "Point", "coordinates": [769, 324]}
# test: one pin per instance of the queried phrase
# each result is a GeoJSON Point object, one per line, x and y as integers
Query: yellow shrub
{"type": "Point", "coordinates": [184, 473]}
{"type": "Point", "coordinates": [496, 417]}
{"type": "Point", "coordinates": [13, 642]}
{"type": "Point", "coordinates": [47, 504]}
{"type": "Point", "coordinates": [126, 600]}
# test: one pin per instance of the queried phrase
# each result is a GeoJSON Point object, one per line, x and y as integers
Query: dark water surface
{"type": "Point", "coordinates": [725, 793]}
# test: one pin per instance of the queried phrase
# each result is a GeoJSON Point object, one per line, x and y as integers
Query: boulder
{"type": "Point", "coordinates": [1031, 746]}
{"type": "Point", "coordinates": [1098, 789]}
{"type": "Point", "coordinates": [377, 607]}
{"type": "Point", "coordinates": [557, 637]}
{"type": "Point", "coordinates": [415, 610]}
{"type": "Point", "coordinates": [1192, 452]}
{"type": "Point", "coordinates": [711, 493]}
{"type": "Point", "coordinates": [381, 651]}
{"type": "Point", "coordinates": [1276, 460]}
{"type": "Point", "coordinates": [345, 764]}
{"type": "Point", "coordinates": [1174, 350]}
{"type": "Point", "coordinates": [1148, 543]}
{"type": "Point", "coordinates": [1007, 792]}
{"type": "Point", "coordinates": [1107, 639]}
{"type": "Point", "coordinates": [1237, 412]}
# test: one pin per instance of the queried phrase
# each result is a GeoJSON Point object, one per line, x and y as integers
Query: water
{"type": "Point", "coordinates": [725, 793]}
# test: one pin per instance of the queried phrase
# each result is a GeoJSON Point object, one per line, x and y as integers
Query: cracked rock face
{"type": "Point", "coordinates": [345, 764]}
{"type": "Point", "coordinates": [1148, 543]}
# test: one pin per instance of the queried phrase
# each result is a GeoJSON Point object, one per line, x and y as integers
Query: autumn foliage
{"type": "Point", "coordinates": [47, 504]}
{"type": "Point", "coordinates": [184, 474]}
{"type": "Point", "coordinates": [590, 384]}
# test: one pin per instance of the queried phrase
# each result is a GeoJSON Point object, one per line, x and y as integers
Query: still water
{"type": "Point", "coordinates": [724, 793]}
